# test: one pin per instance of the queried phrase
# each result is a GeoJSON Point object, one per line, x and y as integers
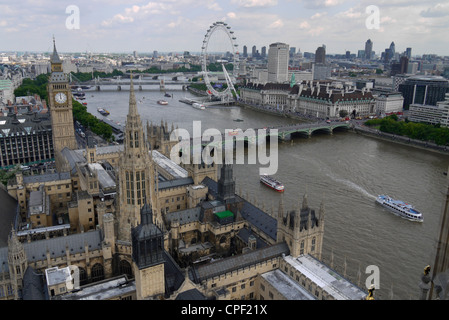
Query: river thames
{"type": "Point", "coordinates": [344, 170]}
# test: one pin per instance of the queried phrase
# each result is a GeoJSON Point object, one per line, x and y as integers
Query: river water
{"type": "Point", "coordinates": [344, 170]}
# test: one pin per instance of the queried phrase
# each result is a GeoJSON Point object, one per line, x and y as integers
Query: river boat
{"type": "Point", "coordinates": [197, 105]}
{"type": "Point", "coordinates": [162, 102]}
{"type": "Point", "coordinates": [400, 208]}
{"type": "Point", "coordinates": [103, 111]}
{"type": "Point", "coordinates": [272, 183]}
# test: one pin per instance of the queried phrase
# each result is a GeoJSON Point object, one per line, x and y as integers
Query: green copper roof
{"type": "Point", "coordinates": [224, 214]}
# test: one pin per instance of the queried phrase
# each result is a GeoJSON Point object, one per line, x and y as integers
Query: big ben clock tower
{"type": "Point", "coordinates": [60, 105]}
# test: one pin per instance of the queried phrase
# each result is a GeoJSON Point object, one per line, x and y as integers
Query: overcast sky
{"type": "Point", "coordinates": [180, 25]}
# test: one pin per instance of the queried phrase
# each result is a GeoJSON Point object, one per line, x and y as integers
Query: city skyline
{"type": "Point", "coordinates": [176, 26]}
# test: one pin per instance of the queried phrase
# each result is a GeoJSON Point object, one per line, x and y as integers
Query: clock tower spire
{"type": "Point", "coordinates": [60, 105]}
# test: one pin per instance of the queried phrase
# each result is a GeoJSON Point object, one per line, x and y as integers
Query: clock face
{"type": "Point", "coordinates": [60, 97]}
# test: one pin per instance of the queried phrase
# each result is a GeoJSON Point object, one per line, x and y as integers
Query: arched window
{"type": "Point", "coordinates": [313, 244]}
{"type": "Point", "coordinates": [301, 251]}
{"type": "Point", "coordinates": [97, 272]}
{"type": "Point", "coordinates": [83, 276]}
{"type": "Point", "coordinates": [125, 268]}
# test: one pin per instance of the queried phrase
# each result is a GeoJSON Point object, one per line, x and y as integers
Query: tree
{"type": "Point", "coordinates": [343, 113]}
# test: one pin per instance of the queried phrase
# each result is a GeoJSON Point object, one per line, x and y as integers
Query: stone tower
{"type": "Point", "coordinates": [60, 105]}
{"type": "Point", "coordinates": [147, 256]}
{"type": "Point", "coordinates": [302, 229]}
{"type": "Point", "coordinates": [226, 183]}
{"type": "Point", "coordinates": [200, 171]}
{"type": "Point", "coordinates": [17, 262]}
{"type": "Point", "coordinates": [135, 169]}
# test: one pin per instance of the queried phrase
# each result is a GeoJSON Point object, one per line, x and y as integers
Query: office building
{"type": "Point", "coordinates": [408, 53]}
{"type": "Point", "coordinates": [368, 49]}
{"type": "Point", "coordinates": [444, 106]}
{"type": "Point", "coordinates": [321, 71]}
{"type": "Point", "coordinates": [425, 114]}
{"type": "Point", "coordinates": [423, 90]}
{"type": "Point", "coordinates": [389, 102]}
{"type": "Point", "coordinates": [320, 55]}
{"type": "Point", "coordinates": [400, 67]}
{"type": "Point", "coordinates": [278, 62]}
{"type": "Point", "coordinates": [25, 138]}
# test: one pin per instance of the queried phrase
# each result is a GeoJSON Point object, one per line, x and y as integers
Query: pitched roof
{"type": "Point", "coordinates": [230, 264]}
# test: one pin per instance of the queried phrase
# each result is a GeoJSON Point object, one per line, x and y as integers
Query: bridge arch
{"type": "Point", "coordinates": [327, 130]}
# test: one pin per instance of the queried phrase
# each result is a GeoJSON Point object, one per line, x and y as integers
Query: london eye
{"type": "Point", "coordinates": [220, 61]}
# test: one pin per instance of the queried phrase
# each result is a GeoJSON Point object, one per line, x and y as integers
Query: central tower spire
{"type": "Point", "coordinates": [135, 171]}
{"type": "Point", "coordinates": [132, 99]}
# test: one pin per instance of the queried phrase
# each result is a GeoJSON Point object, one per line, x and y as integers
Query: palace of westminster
{"type": "Point", "coordinates": [136, 226]}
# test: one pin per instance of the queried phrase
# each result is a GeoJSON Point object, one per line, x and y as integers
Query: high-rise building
{"type": "Point", "coordinates": [278, 62]}
{"type": "Point", "coordinates": [393, 49]}
{"type": "Point", "coordinates": [388, 55]}
{"type": "Point", "coordinates": [408, 53]}
{"type": "Point", "coordinates": [400, 67]}
{"type": "Point", "coordinates": [368, 49]}
{"type": "Point", "coordinates": [60, 105]}
{"type": "Point", "coordinates": [292, 51]}
{"type": "Point", "coordinates": [253, 51]}
{"type": "Point", "coordinates": [245, 51]}
{"type": "Point", "coordinates": [320, 55]}
{"type": "Point", "coordinates": [263, 52]}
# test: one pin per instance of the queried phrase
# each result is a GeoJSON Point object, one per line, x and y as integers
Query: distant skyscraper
{"type": "Point", "coordinates": [254, 51]}
{"type": "Point", "coordinates": [264, 52]}
{"type": "Point", "coordinates": [292, 51]}
{"type": "Point", "coordinates": [404, 64]}
{"type": "Point", "coordinates": [388, 55]}
{"type": "Point", "coordinates": [393, 49]}
{"type": "Point", "coordinates": [361, 54]}
{"type": "Point", "coordinates": [408, 53]}
{"type": "Point", "coordinates": [245, 51]}
{"type": "Point", "coordinates": [400, 67]}
{"type": "Point", "coordinates": [348, 55]}
{"type": "Point", "coordinates": [320, 55]}
{"type": "Point", "coordinates": [368, 49]}
{"type": "Point", "coordinates": [278, 62]}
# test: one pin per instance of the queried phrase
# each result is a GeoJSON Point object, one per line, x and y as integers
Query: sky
{"type": "Point", "coordinates": [180, 25]}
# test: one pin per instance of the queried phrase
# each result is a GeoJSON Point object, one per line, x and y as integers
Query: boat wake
{"type": "Point", "coordinates": [353, 186]}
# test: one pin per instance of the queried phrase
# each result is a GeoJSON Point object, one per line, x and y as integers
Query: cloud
{"type": "Point", "coordinates": [317, 4]}
{"type": "Point", "coordinates": [276, 24]}
{"type": "Point", "coordinates": [318, 15]}
{"type": "Point", "coordinates": [138, 12]}
{"type": "Point", "coordinates": [254, 3]}
{"type": "Point", "coordinates": [439, 10]}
